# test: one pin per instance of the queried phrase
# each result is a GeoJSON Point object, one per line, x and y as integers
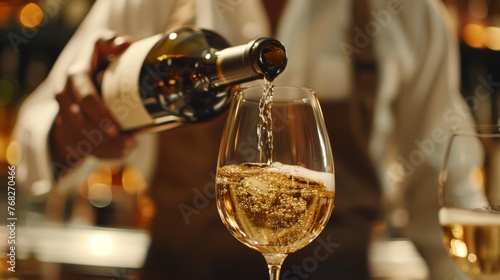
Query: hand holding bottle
{"type": "Point", "coordinates": [83, 115]}
{"type": "Point", "coordinates": [184, 76]}
{"type": "Point", "coordinates": [157, 83]}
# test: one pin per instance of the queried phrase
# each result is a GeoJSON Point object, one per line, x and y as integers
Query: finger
{"type": "Point", "coordinates": [107, 48]}
{"type": "Point", "coordinates": [82, 90]}
{"type": "Point", "coordinates": [69, 110]}
{"type": "Point", "coordinates": [80, 100]}
{"type": "Point", "coordinates": [70, 119]}
{"type": "Point", "coordinates": [80, 85]}
{"type": "Point", "coordinates": [93, 107]}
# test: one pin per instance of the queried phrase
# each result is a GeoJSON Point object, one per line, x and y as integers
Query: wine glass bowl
{"type": "Point", "coordinates": [469, 197]}
{"type": "Point", "coordinates": [275, 178]}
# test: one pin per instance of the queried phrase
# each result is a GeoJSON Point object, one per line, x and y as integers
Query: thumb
{"type": "Point", "coordinates": [107, 48]}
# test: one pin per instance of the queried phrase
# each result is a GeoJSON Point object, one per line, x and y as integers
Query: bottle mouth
{"type": "Point", "coordinates": [272, 57]}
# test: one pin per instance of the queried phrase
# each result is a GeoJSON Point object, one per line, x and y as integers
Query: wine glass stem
{"type": "Point", "coordinates": [274, 272]}
{"type": "Point", "coordinates": [274, 262]}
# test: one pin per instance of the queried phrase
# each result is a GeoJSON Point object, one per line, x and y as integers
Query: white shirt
{"type": "Point", "coordinates": [418, 98]}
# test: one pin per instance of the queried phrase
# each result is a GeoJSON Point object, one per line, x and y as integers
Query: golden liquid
{"type": "Point", "coordinates": [271, 211]}
{"type": "Point", "coordinates": [475, 249]}
{"type": "Point", "coordinates": [265, 124]}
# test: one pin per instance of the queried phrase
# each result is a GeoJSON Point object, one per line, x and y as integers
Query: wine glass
{"type": "Point", "coordinates": [275, 181]}
{"type": "Point", "coordinates": [469, 197]}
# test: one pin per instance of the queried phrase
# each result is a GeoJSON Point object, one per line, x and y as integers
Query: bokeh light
{"type": "Point", "coordinates": [101, 175]}
{"type": "Point", "coordinates": [31, 15]}
{"type": "Point", "coordinates": [13, 153]}
{"type": "Point", "coordinates": [100, 195]}
{"type": "Point", "coordinates": [458, 248]}
{"type": "Point", "coordinates": [492, 38]}
{"type": "Point", "coordinates": [474, 35]}
{"type": "Point", "coordinates": [132, 180]}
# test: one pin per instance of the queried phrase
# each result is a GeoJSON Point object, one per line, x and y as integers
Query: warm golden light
{"type": "Point", "coordinates": [457, 231]}
{"type": "Point", "coordinates": [458, 248]}
{"type": "Point", "coordinates": [99, 184]}
{"type": "Point", "coordinates": [5, 13]}
{"type": "Point", "coordinates": [132, 180]}
{"type": "Point", "coordinates": [13, 153]}
{"type": "Point", "coordinates": [100, 195]}
{"type": "Point", "coordinates": [31, 15]}
{"type": "Point", "coordinates": [172, 36]}
{"type": "Point", "coordinates": [146, 206]}
{"type": "Point", "coordinates": [101, 244]}
{"type": "Point", "coordinates": [472, 258]}
{"type": "Point", "coordinates": [3, 147]}
{"type": "Point", "coordinates": [492, 38]}
{"type": "Point", "coordinates": [101, 175]}
{"type": "Point", "coordinates": [474, 35]}
{"type": "Point", "coordinates": [476, 178]}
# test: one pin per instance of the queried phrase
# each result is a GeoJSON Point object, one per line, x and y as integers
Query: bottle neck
{"type": "Point", "coordinates": [233, 67]}
{"type": "Point", "coordinates": [261, 58]}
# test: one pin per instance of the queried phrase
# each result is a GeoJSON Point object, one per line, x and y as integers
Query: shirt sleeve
{"type": "Point", "coordinates": [37, 113]}
{"type": "Point", "coordinates": [139, 19]}
{"type": "Point", "coordinates": [428, 103]}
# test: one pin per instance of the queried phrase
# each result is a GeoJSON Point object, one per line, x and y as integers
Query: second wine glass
{"type": "Point", "coordinates": [470, 201]}
{"type": "Point", "coordinates": [275, 178]}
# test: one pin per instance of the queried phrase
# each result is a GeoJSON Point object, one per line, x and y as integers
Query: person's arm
{"type": "Point", "coordinates": [425, 74]}
{"type": "Point", "coordinates": [84, 126]}
{"type": "Point", "coordinates": [42, 161]}
{"type": "Point", "coordinates": [55, 135]}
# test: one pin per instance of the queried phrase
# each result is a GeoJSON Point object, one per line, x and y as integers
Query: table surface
{"type": "Point", "coordinates": [103, 247]}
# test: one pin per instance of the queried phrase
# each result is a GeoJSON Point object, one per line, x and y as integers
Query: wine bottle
{"type": "Point", "coordinates": [186, 75]}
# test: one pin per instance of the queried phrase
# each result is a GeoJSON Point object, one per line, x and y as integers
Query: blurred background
{"type": "Point", "coordinates": [111, 209]}
{"type": "Point", "coordinates": [81, 235]}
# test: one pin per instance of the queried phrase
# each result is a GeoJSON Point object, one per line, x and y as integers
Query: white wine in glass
{"type": "Point", "coordinates": [470, 201]}
{"type": "Point", "coordinates": [275, 178]}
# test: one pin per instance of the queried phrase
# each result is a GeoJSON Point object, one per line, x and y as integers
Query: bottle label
{"type": "Point", "coordinates": [120, 86]}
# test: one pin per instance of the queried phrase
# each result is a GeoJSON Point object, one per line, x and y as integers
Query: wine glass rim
{"type": "Point", "coordinates": [480, 131]}
{"type": "Point", "coordinates": [275, 85]}
{"type": "Point", "coordinates": [307, 93]}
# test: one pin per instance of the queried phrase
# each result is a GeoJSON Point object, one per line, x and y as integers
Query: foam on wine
{"type": "Point", "coordinates": [448, 216]}
{"type": "Point", "coordinates": [328, 179]}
